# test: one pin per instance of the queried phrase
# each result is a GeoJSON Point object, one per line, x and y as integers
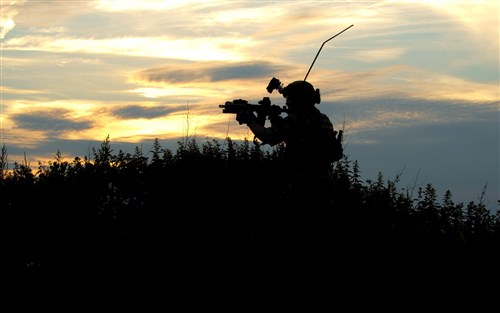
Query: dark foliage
{"type": "Point", "coordinates": [198, 227]}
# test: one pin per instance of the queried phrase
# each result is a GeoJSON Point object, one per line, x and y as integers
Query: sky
{"type": "Point", "coordinates": [413, 84]}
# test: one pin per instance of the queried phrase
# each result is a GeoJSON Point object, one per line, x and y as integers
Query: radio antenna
{"type": "Point", "coordinates": [322, 48]}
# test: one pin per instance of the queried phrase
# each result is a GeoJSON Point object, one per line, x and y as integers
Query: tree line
{"type": "Point", "coordinates": [206, 211]}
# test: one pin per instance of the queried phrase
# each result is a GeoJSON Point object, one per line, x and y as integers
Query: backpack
{"type": "Point", "coordinates": [313, 139]}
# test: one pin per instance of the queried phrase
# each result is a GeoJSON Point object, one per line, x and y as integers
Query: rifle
{"type": "Point", "coordinates": [264, 109]}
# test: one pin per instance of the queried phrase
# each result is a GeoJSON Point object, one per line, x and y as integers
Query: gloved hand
{"type": "Point", "coordinates": [245, 116]}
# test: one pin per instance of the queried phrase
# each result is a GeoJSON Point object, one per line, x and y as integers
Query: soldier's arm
{"type": "Point", "coordinates": [268, 135]}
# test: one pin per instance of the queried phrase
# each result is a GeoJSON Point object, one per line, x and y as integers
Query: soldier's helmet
{"type": "Point", "coordinates": [302, 92]}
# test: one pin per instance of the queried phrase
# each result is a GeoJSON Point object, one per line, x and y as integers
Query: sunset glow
{"type": "Point", "coordinates": [75, 72]}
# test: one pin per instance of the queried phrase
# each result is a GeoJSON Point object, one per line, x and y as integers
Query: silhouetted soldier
{"type": "Point", "coordinates": [296, 232]}
{"type": "Point", "coordinates": [311, 143]}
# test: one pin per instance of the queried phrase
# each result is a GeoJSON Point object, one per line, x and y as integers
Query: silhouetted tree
{"type": "Point", "coordinates": [103, 155]}
{"type": "Point", "coordinates": [3, 162]}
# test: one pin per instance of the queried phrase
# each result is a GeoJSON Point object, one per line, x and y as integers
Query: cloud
{"type": "Point", "coordinates": [377, 55]}
{"type": "Point", "coordinates": [4, 90]}
{"type": "Point", "coordinates": [144, 5]}
{"type": "Point", "coordinates": [52, 121]}
{"type": "Point", "coordinates": [49, 30]}
{"type": "Point", "coordinates": [214, 49]}
{"type": "Point", "coordinates": [6, 25]}
{"type": "Point", "coordinates": [209, 72]}
{"type": "Point", "coordinates": [138, 111]}
{"type": "Point", "coordinates": [9, 11]}
{"type": "Point", "coordinates": [398, 81]}
{"type": "Point", "coordinates": [363, 118]}
{"type": "Point", "coordinates": [46, 15]}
